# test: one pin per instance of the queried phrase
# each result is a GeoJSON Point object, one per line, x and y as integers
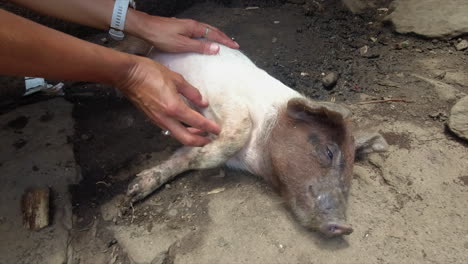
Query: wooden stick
{"type": "Point", "coordinates": [386, 100]}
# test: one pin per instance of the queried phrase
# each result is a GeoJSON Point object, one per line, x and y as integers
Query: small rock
{"type": "Point", "coordinates": [439, 116]}
{"type": "Point", "coordinates": [366, 52]}
{"type": "Point", "coordinates": [86, 137]}
{"type": "Point", "coordinates": [330, 80]}
{"type": "Point", "coordinates": [462, 45]}
{"type": "Point", "coordinates": [172, 212]}
{"type": "Point", "coordinates": [440, 75]}
{"type": "Point", "coordinates": [418, 50]}
{"type": "Point", "coordinates": [458, 121]}
{"type": "Point", "coordinates": [104, 40]}
{"type": "Point", "coordinates": [363, 51]}
{"type": "Point", "coordinates": [402, 45]}
{"type": "Point", "coordinates": [281, 248]}
{"type": "Point", "coordinates": [274, 40]}
{"type": "Point", "coordinates": [276, 22]}
{"type": "Point", "coordinates": [167, 186]}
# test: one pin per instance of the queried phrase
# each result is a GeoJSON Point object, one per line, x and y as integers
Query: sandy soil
{"type": "Point", "coordinates": [409, 205]}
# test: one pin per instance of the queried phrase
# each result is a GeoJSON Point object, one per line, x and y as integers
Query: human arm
{"type": "Point", "coordinates": [166, 34]}
{"type": "Point", "coordinates": [30, 49]}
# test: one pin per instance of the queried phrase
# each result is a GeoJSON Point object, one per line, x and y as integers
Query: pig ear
{"type": "Point", "coordinates": [304, 109]}
{"type": "Point", "coordinates": [367, 142]}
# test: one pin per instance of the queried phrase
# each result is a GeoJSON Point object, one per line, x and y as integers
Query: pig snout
{"type": "Point", "coordinates": [330, 212]}
{"type": "Point", "coordinates": [332, 229]}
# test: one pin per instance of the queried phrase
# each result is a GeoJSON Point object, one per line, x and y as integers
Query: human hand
{"type": "Point", "coordinates": [176, 35]}
{"type": "Point", "coordinates": [156, 91]}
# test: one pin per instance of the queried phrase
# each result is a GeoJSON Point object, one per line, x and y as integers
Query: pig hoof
{"type": "Point", "coordinates": [135, 192]}
{"type": "Point", "coordinates": [332, 229]}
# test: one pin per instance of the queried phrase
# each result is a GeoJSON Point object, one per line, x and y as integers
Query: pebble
{"type": "Point", "coordinates": [281, 248]}
{"type": "Point", "coordinates": [462, 45]}
{"type": "Point", "coordinates": [440, 75]}
{"type": "Point", "coordinates": [402, 45]}
{"type": "Point", "coordinates": [330, 80]}
{"type": "Point", "coordinates": [439, 116]}
{"type": "Point", "coordinates": [458, 121]}
{"type": "Point", "coordinates": [274, 40]}
{"type": "Point", "coordinates": [86, 137]}
{"type": "Point", "coordinates": [366, 52]}
{"type": "Point", "coordinates": [172, 212]}
{"type": "Point", "coordinates": [363, 51]}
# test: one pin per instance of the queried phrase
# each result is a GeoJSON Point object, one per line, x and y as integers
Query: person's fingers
{"type": "Point", "coordinates": [216, 35]}
{"type": "Point", "coordinates": [190, 92]}
{"type": "Point", "coordinates": [182, 133]}
{"type": "Point", "coordinates": [196, 131]}
{"type": "Point", "coordinates": [186, 135]}
{"type": "Point", "coordinates": [182, 112]}
{"type": "Point", "coordinates": [200, 46]}
{"type": "Point", "coordinates": [212, 33]}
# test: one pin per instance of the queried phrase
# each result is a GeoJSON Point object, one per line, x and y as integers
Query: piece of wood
{"type": "Point", "coordinates": [35, 205]}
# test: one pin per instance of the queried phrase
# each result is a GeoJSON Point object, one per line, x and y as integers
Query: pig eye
{"type": "Point", "coordinates": [329, 153]}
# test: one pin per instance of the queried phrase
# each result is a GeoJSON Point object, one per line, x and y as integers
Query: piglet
{"type": "Point", "coordinates": [303, 148]}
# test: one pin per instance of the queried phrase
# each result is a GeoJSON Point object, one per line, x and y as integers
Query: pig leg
{"type": "Point", "coordinates": [234, 136]}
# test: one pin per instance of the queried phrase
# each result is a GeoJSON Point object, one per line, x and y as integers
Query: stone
{"type": "Point", "coordinates": [462, 45]}
{"type": "Point", "coordinates": [402, 45]}
{"type": "Point", "coordinates": [430, 18]}
{"type": "Point", "coordinates": [330, 80]}
{"type": "Point", "coordinates": [363, 50]}
{"type": "Point", "coordinates": [367, 52]}
{"type": "Point", "coordinates": [458, 121]}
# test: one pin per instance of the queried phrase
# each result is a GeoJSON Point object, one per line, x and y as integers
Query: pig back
{"type": "Point", "coordinates": [229, 80]}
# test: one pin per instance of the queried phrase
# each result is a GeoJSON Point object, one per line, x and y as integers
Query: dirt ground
{"type": "Point", "coordinates": [408, 205]}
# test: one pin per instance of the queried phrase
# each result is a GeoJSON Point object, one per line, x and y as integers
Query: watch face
{"type": "Point", "coordinates": [116, 34]}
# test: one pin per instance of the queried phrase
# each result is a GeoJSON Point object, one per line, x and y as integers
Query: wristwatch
{"type": "Point", "coordinates": [118, 18]}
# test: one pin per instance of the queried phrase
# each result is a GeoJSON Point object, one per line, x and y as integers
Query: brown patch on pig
{"type": "Point", "coordinates": [315, 153]}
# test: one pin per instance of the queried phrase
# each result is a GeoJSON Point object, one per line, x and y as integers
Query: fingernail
{"type": "Point", "coordinates": [214, 48]}
{"type": "Point", "coordinates": [237, 44]}
{"type": "Point", "coordinates": [204, 102]}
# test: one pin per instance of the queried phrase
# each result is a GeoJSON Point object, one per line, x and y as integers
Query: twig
{"type": "Point", "coordinates": [386, 100]}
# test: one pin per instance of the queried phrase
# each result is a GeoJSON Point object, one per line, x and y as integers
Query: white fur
{"type": "Point", "coordinates": [229, 80]}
